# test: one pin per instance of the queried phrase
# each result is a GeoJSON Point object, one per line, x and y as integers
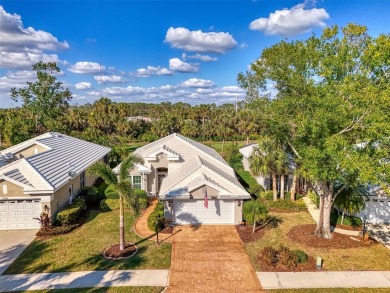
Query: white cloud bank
{"type": "Point", "coordinates": [109, 78]}
{"type": "Point", "coordinates": [291, 22]}
{"type": "Point", "coordinates": [21, 47]}
{"type": "Point", "coordinates": [83, 85]}
{"type": "Point", "coordinates": [204, 58]}
{"type": "Point", "coordinates": [199, 41]}
{"type": "Point", "coordinates": [151, 70]}
{"type": "Point", "coordinates": [197, 83]}
{"type": "Point", "coordinates": [87, 68]}
{"type": "Point", "coordinates": [175, 64]}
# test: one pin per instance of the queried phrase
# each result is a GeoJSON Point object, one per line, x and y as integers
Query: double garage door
{"type": "Point", "coordinates": [19, 214]}
{"type": "Point", "coordinates": [194, 212]}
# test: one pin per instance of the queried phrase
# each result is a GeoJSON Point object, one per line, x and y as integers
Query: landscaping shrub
{"type": "Point", "coordinates": [267, 195]}
{"type": "Point", "coordinates": [59, 230]}
{"type": "Point", "coordinates": [270, 256]}
{"type": "Point", "coordinates": [70, 214]}
{"type": "Point", "coordinates": [92, 196]}
{"type": "Point", "coordinates": [247, 211]}
{"type": "Point", "coordinates": [158, 213]}
{"type": "Point", "coordinates": [142, 203]}
{"type": "Point", "coordinates": [301, 256]}
{"type": "Point", "coordinates": [287, 257]}
{"type": "Point", "coordinates": [286, 205]}
{"type": "Point", "coordinates": [141, 193]}
{"type": "Point", "coordinates": [111, 193]}
{"type": "Point", "coordinates": [109, 204]}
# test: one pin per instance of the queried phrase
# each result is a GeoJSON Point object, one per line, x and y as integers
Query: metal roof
{"type": "Point", "coordinates": [64, 154]}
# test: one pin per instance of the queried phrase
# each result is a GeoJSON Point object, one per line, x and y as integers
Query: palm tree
{"type": "Point", "coordinates": [268, 158]}
{"type": "Point", "coordinates": [122, 186]}
{"type": "Point", "coordinates": [256, 210]}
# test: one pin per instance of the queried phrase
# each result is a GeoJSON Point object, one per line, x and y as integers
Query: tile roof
{"type": "Point", "coordinates": [17, 176]}
{"type": "Point", "coordinates": [63, 154]}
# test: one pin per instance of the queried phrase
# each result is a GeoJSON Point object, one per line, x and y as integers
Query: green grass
{"type": "Point", "coordinates": [81, 250]}
{"type": "Point", "coordinates": [351, 259]}
{"type": "Point", "coordinates": [103, 290]}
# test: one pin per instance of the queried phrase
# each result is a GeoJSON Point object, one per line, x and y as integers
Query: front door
{"type": "Point", "coordinates": [160, 178]}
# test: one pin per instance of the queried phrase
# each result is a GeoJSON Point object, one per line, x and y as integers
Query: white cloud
{"type": "Point", "coordinates": [197, 83]}
{"type": "Point", "coordinates": [83, 85]}
{"type": "Point", "coordinates": [151, 70]}
{"type": "Point", "coordinates": [109, 78]}
{"type": "Point", "coordinates": [204, 58]}
{"type": "Point", "coordinates": [87, 68]}
{"type": "Point", "coordinates": [290, 22]}
{"type": "Point", "coordinates": [175, 64]}
{"type": "Point", "coordinates": [199, 41]}
{"type": "Point", "coordinates": [21, 47]}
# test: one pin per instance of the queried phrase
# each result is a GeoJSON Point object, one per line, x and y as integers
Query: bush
{"type": "Point", "coordinates": [286, 205]}
{"type": "Point", "coordinates": [267, 195]}
{"type": "Point", "coordinates": [92, 196]}
{"type": "Point", "coordinates": [111, 193]}
{"type": "Point", "coordinates": [314, 198]}
{"type": "Point", "coordinates": [270, 256]}
{"type": "Point", "coordinates": [109, 204]}
{"type": "Point", "coordinates": [70, 214]}
{"type": "Point", "coordinates": [54, 231]}
{"type": "Point", "coordinates": [158, 213]}
{"type": "Point", "coordinates": [142, 203]}
{"type": "Point", "coordinates": [141, 194]}
{"type": "Point", "coordinates": [287, 257]}
{"type": "Point", "coordinates": [301, 256]}
{"type": "Point", "coordinates": [335, 219]}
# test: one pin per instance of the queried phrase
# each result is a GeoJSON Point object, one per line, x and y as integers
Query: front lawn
{"type": "Point", "coordinates": [81, 250]}
{"type": "Point", "coordinates": [365, 257]}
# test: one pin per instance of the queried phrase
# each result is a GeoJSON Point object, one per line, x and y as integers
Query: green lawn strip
{"type": "Point", "coordinates": [81, 250]}
{"type": "Point", "coordinates": [326, 290]}
{"type": "Point", "coordinates": [103, 290]}
{"type": "Point", "coordinates": [353, 259]}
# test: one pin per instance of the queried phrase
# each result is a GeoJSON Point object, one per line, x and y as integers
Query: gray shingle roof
{"type": "Point", "coordinates": [66, 154]}
{"type": "Point", "coordinates": [17, 176]}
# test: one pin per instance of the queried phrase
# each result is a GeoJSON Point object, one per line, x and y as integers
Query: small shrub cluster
{"type": "Point", "coordinates": [91, 196]}
{"type": "Point", "coordinates": [70, 214]}
{"type": "Point", "coordinates": [58, 230]}
{"type": "Point", "coordinates": [157, 214]}
{"type": "Point", "coordinates": [283, 256]}
{"type": "Point", "coordinates": [111, 193]}
{"type": "Point", "coordinates": [286, 205]}
{"type": "Point", "coordinates": [267, 195]}
{"type": "Point", "coordinates": [109, 204]}
{"type": "Point", "coordinates": [142, 198]}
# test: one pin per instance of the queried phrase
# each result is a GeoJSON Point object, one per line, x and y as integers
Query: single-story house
{"type": "Point", "coordinates": [43, 173]}
{"type": "Point", "coordinates": [195, 183]}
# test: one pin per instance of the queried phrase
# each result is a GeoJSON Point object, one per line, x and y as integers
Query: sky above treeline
{"type": "Point", "coordinates": [159, 51]}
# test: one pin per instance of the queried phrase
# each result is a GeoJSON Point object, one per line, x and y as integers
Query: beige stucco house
{"type": "Point", "coordinates": [180, 172]}
{"type": "Point", "coordinates": [45, 172]}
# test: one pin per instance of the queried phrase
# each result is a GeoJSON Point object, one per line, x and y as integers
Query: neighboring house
{"type": "Point", "coordinates": [180, 172]}
{"type": "Point", "coordinates": [140, 118]}
{"type": "Point", "coordinates": [266, 181]}
{"type": "Point", "coordinates": [43, 173]}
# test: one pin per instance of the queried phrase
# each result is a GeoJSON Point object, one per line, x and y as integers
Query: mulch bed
{"type": "Point", "coordinates": [167, 230]}
{"type": "Point", "coordinates": [304, 234]}
{"type": "Point", "coordinates": [309, 266]}
{"type": "Point", "coordinates": [113, 252]}
{"type": "Point", "coordinates": [351, 228]}
{"type": "Point", "coordinates": [246, 235]}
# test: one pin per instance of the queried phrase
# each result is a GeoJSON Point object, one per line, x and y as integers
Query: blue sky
{"type": "Point", "coordinates": [154, 51]}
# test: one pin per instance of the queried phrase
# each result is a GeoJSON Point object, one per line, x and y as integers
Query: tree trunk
{"type": "Point", "coordinates": [323, 225]}
{"type": "Point", "coordinates": [247, 139]}
{"type": "Point", "coordinates": [121, 225]}
{"type": "Point", "coordinates": [282, 186]}
{"type": "Point", "coordinates": [274, 187]}
{"type": "Point", "coordinates": [254, 223]}
{"type": "Point", "coordinates": [342, 217]}
{"type": "Point", "coordinates": [294, 187]}
{"type": "Point", "coordinates": [223, 143]}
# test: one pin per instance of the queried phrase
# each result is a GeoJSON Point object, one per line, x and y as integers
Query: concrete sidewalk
{"type": "Point", "coordinates": [290, 280]}
{"type": "Point", "coordinates": [23, 282]}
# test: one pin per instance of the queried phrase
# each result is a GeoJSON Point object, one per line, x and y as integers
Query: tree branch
{"type": "Point", "coordinates": [354, 123]}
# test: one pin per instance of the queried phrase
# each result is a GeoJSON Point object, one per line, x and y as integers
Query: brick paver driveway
{"type": "Point", "coordinates": [210, 259]}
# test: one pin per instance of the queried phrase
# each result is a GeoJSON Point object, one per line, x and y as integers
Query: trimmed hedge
{"type": "Point", "coordinates": [158, 213]}
{"type": "Point", "coordinates": [286, 205]}
{"type": "Point", "coordinates": [70, 214]}
{"type": "Point", "coordinates": [111, 193]}
{"type": "Point", "coordinates": [92, 196]}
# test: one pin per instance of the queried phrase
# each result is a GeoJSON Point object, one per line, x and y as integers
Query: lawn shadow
{"type": "Point", "coordinates": [272, 222]}
{"type": "Point", "coordinates": [22, 262]}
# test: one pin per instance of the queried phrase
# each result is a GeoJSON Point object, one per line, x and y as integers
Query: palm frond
{"type": "Point", "coordinates": [127, 165]}
{"type": "Point", "coordinates": [104, 171]}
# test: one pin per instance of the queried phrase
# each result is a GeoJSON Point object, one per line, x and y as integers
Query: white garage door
{"type": "Point", "coordinates": [19, 214]}
{"type": "Point", "coordinates": [194, 212]}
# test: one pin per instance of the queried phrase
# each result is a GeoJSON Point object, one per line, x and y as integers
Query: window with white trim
{"type": "Point", "coordinates": [136, 181]}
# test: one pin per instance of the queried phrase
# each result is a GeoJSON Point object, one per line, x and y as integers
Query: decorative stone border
{"type": "Point", "coordinates": [123, 257]}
